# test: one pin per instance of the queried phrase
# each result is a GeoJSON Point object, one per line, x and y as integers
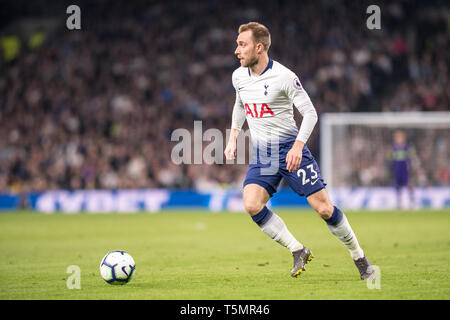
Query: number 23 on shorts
{"type": "Point", "coordinates": [301, 173]}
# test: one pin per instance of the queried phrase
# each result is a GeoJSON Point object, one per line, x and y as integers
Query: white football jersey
{"type": "Point", "coordinates": [266, 102]}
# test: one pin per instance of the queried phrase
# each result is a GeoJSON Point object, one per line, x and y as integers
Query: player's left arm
{"type": "Point", "coordinates": [302, 102]}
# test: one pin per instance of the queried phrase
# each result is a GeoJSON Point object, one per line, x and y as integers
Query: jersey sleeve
{"type": "Point", "coordinates": [238, 115]}
{"type": "Point", "coordinates": [300, 98]}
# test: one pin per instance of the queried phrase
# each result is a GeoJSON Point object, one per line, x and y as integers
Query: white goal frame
{"type": "Point", "coordinates": [384, 119]}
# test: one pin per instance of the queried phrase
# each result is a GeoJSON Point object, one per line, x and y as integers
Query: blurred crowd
{"type": "Point", "coordinates": [96, 107]}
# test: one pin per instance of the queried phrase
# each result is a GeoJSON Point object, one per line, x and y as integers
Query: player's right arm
{"type": "Point", "coordinates": [230, 150]}
{"type": "Point", "coordinates": [237, 120]}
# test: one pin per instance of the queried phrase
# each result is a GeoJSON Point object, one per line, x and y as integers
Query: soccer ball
{"type": "Point", "coordinates": [117, 267]}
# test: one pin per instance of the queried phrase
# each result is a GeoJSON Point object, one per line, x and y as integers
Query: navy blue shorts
{"type": "Point", "coordinates": [268, 173]}
{"type": "Point", "coordinates": [401, 179]}
{"type": "Point", "coordinates": [400, 171]}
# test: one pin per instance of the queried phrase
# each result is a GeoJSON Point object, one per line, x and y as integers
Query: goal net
{"type": "Point", "coordinates": [356, 148]}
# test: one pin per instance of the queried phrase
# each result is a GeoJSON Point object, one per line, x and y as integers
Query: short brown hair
{"type": "Point", "coordinates": [260, 33]}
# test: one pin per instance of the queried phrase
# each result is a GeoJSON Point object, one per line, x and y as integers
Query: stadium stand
{"type": "Point", "coordinates": [95, 108]}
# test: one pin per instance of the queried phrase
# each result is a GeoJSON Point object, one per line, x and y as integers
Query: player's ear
{"type": "Point", "coordinates": [260, 47]}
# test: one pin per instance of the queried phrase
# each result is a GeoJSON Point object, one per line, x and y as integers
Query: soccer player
{"type": "Point", "coordinates": [265, 94]}
{"type": "Point", "coordinates": [400, 156]}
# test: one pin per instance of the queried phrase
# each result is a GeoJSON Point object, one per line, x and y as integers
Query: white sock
{"type": "Point", "coordinates": [343, 231]}
{"type": "Point", "coordinates": [275, 228]}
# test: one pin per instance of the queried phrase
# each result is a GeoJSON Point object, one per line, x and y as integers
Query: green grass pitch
{"type": "Point", "coordinates": [190, 255]}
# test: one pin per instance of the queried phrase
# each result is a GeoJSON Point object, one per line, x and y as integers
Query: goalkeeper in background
{"type": "Point", "coordinates": [400, 160]}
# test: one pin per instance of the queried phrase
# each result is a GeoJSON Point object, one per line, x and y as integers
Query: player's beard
{"type": "Point", "coordinates": [252, 60]}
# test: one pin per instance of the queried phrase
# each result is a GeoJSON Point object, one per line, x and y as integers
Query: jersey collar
{"type": "Point", "coordinates": [269, 66]}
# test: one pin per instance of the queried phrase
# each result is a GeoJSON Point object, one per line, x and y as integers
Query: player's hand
{"type": "Point", "coordinates": [230, 150]}
{"type": "Point", "coordinates": [294, 156]}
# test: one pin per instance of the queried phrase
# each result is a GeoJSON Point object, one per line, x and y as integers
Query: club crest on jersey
{"type": "Point", "coordinates": [258, 111]}
{"type": "Point", "coordinates": [265, 87]}
{"type": "Point", "coordinates": [297, 84]}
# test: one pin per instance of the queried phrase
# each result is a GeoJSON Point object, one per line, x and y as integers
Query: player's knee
{"type": "Point", "coordinates": [253, 207]}
{"type": "Point", "coordinates": [325, 210]}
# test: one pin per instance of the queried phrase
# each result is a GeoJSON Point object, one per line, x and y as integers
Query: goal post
{"type": "Point", "coordinates": [354, 147]}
